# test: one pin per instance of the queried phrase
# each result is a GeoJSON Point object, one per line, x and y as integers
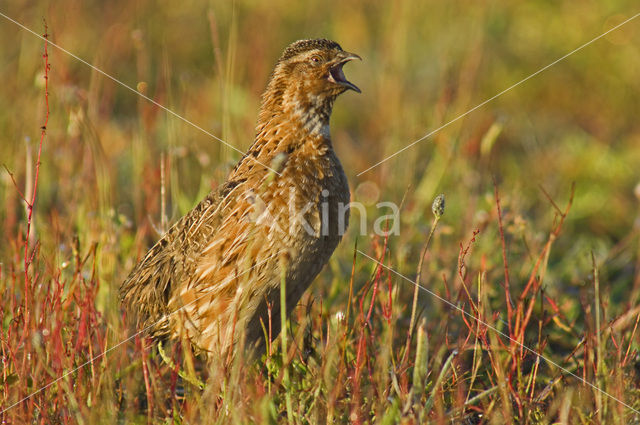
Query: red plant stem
{"type": "Point", "coordinates": [615, 343]}
{"type": "Point", "coordinates": [145, 374]}
{"type": "Point", "coordinates": [29, 204]}
{"type": "Point", "coordinates": [533, 283]}
{"type": "Point", "coordinates": [362, 340]}
{"type": "Point", "coordinates": [43, 132]}
{"type": "Point", "coordinates": [461, 257]}
{"type": "Point", "coordinates": [376, 280]}
{"type": "Point", "coordinates": [353, 272]}
{"type": "Point", "coordinates": [626, 355]}
{"type": "Point", "coordinates": [387, 310]}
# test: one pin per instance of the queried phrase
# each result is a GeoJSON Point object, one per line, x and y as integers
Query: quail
{"type": "Point", "coordinates": [215, 275]}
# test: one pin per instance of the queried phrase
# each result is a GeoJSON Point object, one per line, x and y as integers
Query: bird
{"type": "Point", "coordinates": [214, 277]}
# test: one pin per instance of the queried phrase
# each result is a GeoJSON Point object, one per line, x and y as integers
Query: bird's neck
{"type": "Point", "coordinates": [290, 122]}
{"type": "Point", "coordinates": [296, 108]}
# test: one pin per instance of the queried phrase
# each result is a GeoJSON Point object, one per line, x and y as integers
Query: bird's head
{"type": "Point", "coordinates": [317, 66]}
{"type": "Point", "coordinates": [307, 78]}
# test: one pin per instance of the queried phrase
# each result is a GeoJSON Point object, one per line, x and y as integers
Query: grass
{"type": "Point", "coordinates": [539, 239]}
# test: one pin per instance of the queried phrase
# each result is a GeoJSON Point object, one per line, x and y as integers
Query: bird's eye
{"type": "Point", "coordinates": [315, 59]}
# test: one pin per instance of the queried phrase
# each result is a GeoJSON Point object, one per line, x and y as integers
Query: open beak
{"type": "Point", "coordinates": [335, 72]}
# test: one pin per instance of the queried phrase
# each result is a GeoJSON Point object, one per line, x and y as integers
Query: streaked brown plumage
{"type": "Point", "coordinates": [219, 266]}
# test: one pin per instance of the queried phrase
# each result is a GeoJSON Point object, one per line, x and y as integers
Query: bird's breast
{"type": "Point", "coordinates": [307, 210]}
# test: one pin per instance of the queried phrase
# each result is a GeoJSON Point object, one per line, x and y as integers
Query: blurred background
{"type": "Point", "coordinates": [424, 64]}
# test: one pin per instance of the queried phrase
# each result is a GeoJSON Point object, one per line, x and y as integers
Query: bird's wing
{"type": "Point", "coordinates": [233, 269]}
{"type": "Point", "coordinates": [172, 260]}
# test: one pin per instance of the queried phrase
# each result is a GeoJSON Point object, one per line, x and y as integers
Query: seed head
{"type": "Point", "coordinates": [438, 206]}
